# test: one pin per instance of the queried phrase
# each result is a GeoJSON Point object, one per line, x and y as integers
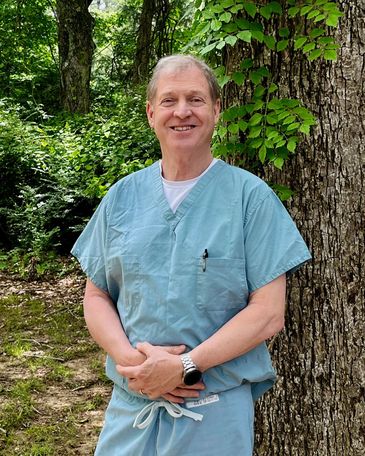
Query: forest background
{"type": "Point", "coordinates": [72, 122]}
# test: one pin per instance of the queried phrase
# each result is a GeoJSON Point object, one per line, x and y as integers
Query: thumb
{"type": "Point", "coordinates": [144, 347]}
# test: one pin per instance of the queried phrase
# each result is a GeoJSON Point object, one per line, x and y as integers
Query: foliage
{"type": "Point", "coordinates": [266, 127]}
{"type": "Point", "coordinates": [55, 173]}
{"type": "Point", "coordinates": [28, 41]}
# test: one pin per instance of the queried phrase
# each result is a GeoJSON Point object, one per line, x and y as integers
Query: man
{"type": "Point", "coordinates": [186, 263]}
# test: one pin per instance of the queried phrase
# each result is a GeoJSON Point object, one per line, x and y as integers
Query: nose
{"type": "Point", "coordinates": [182, 110]}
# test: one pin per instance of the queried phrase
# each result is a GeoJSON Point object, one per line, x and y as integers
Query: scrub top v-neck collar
{"type": "Point", "coordinates": [174, 218]}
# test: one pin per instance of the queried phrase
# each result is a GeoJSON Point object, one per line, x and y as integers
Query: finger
{"type": "Point", "coordinates": [130, 372]}
{"type": "Point", "coordinates": [184, 392]}
{"type": "Point", "coordinates": [170, 397]}
{"type": "Point", "coordinates": [175, 350]}
{"type": "Point", "coordinates": [198, 386]}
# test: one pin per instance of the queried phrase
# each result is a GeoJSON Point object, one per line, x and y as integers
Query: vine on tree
{"type": "Point", "coordinates": [266, 126]}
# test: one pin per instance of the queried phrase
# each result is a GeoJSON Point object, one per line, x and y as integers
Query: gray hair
{"type": "Point", "coordinates": [179, 62]}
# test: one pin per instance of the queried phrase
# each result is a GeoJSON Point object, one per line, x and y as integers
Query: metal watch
{"type": "Point", "coordinates": [191, 374]}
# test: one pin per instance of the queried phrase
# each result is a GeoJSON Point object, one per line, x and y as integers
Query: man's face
{"type": "Point", "coordinates": [182, 112]}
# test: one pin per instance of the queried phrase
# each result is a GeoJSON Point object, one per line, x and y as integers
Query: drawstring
{"type": "Point", "coordinates": [172, 409]}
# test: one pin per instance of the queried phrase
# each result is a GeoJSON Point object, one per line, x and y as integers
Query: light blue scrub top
{"type": "Point", "coordinates": [150, 261]}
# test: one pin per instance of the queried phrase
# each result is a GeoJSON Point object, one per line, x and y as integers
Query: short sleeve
{"type": "Point", "coordinates": [273, 244]}
{"type": "Point", "coordinates": [89, 248]}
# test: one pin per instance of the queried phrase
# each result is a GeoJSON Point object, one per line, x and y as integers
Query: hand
{"type": "Point", "coordinates": [183, 391]}
{"type": "Point", "coordinates": [159, 374]}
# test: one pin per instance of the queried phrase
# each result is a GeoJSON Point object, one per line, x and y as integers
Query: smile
{"type": "Point", "coordinates": [184, 128]}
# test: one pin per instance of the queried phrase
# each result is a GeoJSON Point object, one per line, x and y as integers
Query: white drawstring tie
{"type": "Point", "coordinates": [172, 409]}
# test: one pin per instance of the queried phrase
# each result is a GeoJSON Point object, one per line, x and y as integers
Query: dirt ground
{"type": "Point", "coordinates": [53, 392]}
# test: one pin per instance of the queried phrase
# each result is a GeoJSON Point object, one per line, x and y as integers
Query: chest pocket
{"type": "Point", "coordinates": [221, 284]}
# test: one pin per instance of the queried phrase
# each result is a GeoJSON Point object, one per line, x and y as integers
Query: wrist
{"type": "Point", "coordinates": [132, 357]}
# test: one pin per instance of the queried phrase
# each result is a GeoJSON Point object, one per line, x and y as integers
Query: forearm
{"type": "Point", "coordinates": [105, 327]}
{"type": "Point", "coordinates": [260, 320]}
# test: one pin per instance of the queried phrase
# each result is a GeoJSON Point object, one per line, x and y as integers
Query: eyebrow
{"type": "Point", "coordinates": [190, 93]}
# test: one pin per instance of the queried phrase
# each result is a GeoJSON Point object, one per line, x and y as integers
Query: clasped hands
{"type": "Point", "coordinates": [158, 373]}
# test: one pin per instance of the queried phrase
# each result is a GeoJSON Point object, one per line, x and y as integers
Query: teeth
{"type": "Point", "coordinates": [188, 127]}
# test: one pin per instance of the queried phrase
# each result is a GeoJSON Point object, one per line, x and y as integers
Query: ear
{"type": "Point", "coordinates": [150, 113]}
{"type": "Point", "coordinates": [217, 110]}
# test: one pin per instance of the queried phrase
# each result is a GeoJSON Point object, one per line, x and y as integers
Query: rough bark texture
{"type": "Point", "coordinates": [76, 47]}
{"type": "Point", "coordinates": [317, 407]}
{"type": "Point", "coordinates": [143, 50]}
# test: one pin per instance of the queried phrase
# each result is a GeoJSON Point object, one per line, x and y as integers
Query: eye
{"type": "Point", "coordinates": [167, 102]}
{"type": "Point", "coordinates": [197, 101]}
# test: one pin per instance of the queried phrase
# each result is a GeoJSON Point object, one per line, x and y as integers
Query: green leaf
{"type": "Point", "coordinates": [305, 10]}
{"type": "Point", "coordinates": [247, 63]}
{"type": "Point", "coordinates": [326, 40]}
{"type": "Point", "coordinates": [256, 143]}
{"type": "Point", "coordinates": [221, 44]}
{"type": "Point", "coordinates": [270, 42]}
{"type": "Point", "coordinates": [255, 119]}
{"type": "Point", "coordinates": [275, 104]}
{"type": "Point", "coordinates": [283, 115]}
{"type": "Point", "coordinates": [284, 32]}
{"type": "Point", "coordinates": [255, 77]}
{"type": "Point", "coordinates": [227, 3]}
{"type": "Point", "coordinates": [225, 17]}
{"type": "Point", "coordinates": [262, 153]}
{"type": "Point", "coordinates": [259, 91]}
{"type": "Point", "coordinates": [255, 132]}
{"type": "Point", "coordinates": [231, 40]}
{"type": "Point", "coordinates": [233, 128]}
{"type": "Point", "coordinates": [330, 54]}
{"type": "Point", "coordinates": [273, 87]}
{"type": "Point", "coordinates": [259, 36]}
{"type": "Point", "coordinates": [230, 28]}
{"type": "Point", "coordinates": [238, 78]}
{"type": "Point", "coordinates": [245, 35]}
{"type": "Point", "coordinates": [243, 24]}
{"type": "Point", "coordinates": [289, 120]}
{"type": "Point", "coordinates": [319, 18]}
{"type": "Point", "coordinates": [281, 45]}
{"type": "Point", "coordinates": [276, 7]}
{"type": "Point", "coordinates": [316, 32]}
{"type": "Point", "coordinates": [299, 42]}
{"type": "Point", "coordinates": [304, 129]}
{"type": "Point", "coordinates": [332, 20]}
{"type": "Point", "coordinates": [242, 125]}
{"type": "Point", "coordinates": [293, 126]}
{"type": "Point", "coordinates": [266, 11]}
{"type": "Point", "coordinates": [309, 47]}
{"type": "Point", "coordinates": [250, 9]}
{"type": "Point", "coordinates": [208, 48]}
{"type": "Point", "coordinates": [223, 81]}
{"type": "Point", "coordinates": [279, 162]}
{"type": "Point", "coordinates": [280, 143]}
{"type": "Point", "coordinates": [313, 14]}
{"type": "Point", "coordinates": [272, 119]}
{"type": "Point", "coordinates": [293, 11]}
{"type": "Point", "coordinates": [291, 145]}
{"type": "Point", "coordinates": [215, 25]}
{"type": "Point", "coordinates": [273, 134]}
{"type": "Point", "coordinates": [315, 54]}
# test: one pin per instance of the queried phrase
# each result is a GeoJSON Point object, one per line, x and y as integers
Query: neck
{"type": "Point", "coordinates": [185, 166]}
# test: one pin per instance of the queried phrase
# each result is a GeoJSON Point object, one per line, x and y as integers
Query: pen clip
{"type": "Point", "coordinates": [204, 257]}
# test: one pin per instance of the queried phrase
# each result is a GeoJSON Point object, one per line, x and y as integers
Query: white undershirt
{"type": "Point", "coordinates": [176, 191]}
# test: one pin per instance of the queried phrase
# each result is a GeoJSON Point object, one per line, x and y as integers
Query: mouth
{"type": "Point", "coordinates": [183, 128]}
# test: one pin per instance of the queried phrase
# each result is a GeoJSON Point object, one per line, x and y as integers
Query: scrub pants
{"type": "Point", "coordinates": [226, 427]}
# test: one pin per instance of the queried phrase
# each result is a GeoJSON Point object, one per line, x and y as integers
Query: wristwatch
{"type": "Point", "coordinates": [191, 374]}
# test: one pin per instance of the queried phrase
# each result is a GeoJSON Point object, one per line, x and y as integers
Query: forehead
{"type": "Point", "coordinates": [189, 79]}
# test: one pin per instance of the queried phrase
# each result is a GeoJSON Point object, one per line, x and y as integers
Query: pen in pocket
{"type": "Point", "coordinates": [204, 257]}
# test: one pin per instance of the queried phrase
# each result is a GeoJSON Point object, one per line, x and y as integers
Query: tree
{"type": "Point", "coordinates": [272, 72]}
{"type": "Point", "coordinates": [75, 44]}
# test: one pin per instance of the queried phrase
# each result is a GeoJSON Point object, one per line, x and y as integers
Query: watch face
{"type": "Point", "coordinates": [192, 377]}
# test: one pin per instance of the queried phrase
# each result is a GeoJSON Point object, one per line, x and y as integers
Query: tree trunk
{"type": "Point", "coordinates": [143, 50]}
{"type": "Point", "coordinates": [317, 407]}
{"type": "Point", "coordinates": [76, 47]}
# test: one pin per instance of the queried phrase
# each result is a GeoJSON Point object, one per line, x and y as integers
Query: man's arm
{"type": "Point", "coordinates": [104, 325]}
{"type": "Point", "coordinates": [261, 319]}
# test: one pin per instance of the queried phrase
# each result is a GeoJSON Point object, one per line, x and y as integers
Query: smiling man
{"type": "Point", "coordinates": [186, 263]}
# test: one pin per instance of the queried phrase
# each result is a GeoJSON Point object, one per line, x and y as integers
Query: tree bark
{"type": "Point", "coordinates": [317, 407]}
{"type": "Point", "coordinates": [144, 42]}
{"type": "Point", "coordinates": [75, 44]}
